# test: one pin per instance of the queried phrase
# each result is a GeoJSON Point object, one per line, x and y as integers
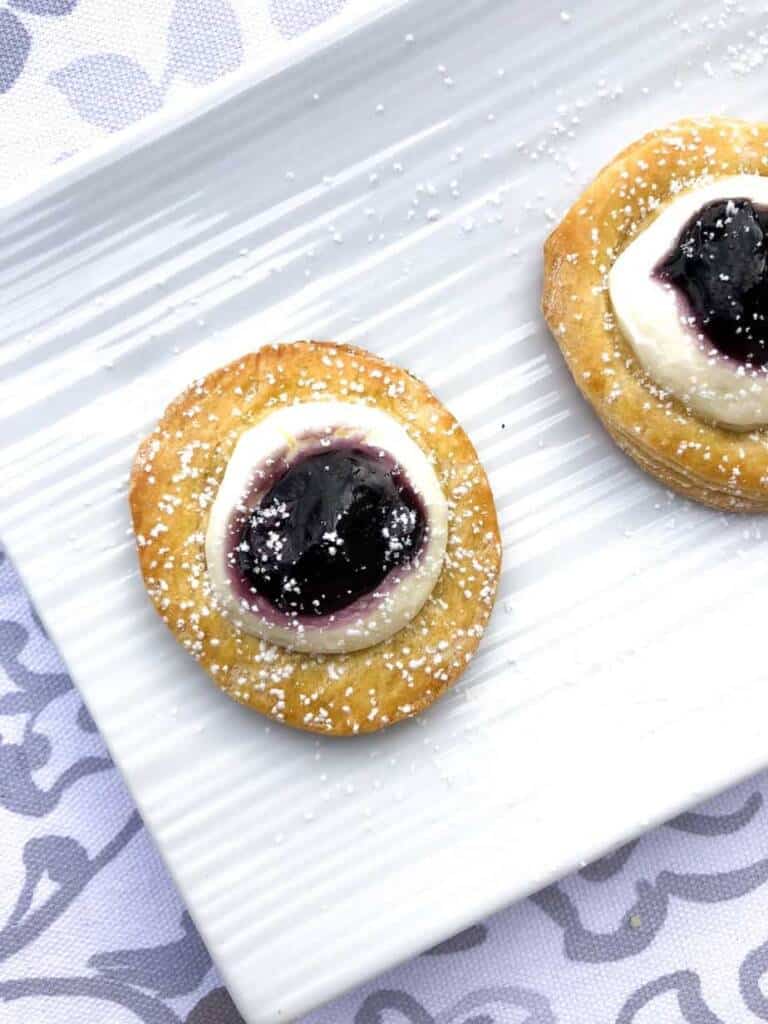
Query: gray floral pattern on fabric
{"type": "Point", "coordinates": [169, 970]}
{"type": "Point", "coordinates": [15, 43]}
{"type": "Point", "coordinates": [19, 762]}
{"type": "Point", "coordinates": [50, 871]}
{"type": "Point", "coordinates": [112, 91]}
{"type": "Point", "coordinates": [144, 1008]}
{"type": "Point", "coordinates": [611, 864]}
{"type": "Point", "coordinates": [480, 1007]}
{"type": "Point", "coordinates": [292, 17]}
{"type": "Point", "coordinates": [753, 970]}
{"type": "Point", "coordinates": [202, 57]}
{"type": "Point", "coordinates": [46, 8]}
{"type": "Point", "coordinates": [64, 862]}
{"type": "Point", "coordinates": [645, 917]}
{"type": "Point", "coordinates": [700, 824]}
{"type": "Point", "coordinates": [215, 1008]}
{"type": "Point", "coordinates": [468, 939]}
{"type": "Point", "coordinates": [686, 986]}
{"type": "Point", "coordinates": [15, 37]}
{"type": "Point", "coordinates": [125, 91]}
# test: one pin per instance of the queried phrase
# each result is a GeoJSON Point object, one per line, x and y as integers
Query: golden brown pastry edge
{"type": "Point", "coordinates": [721, 468]}
{"type": "Point", "coordinates": [389, 681]}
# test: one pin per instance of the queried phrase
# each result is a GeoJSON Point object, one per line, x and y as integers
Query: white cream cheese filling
{"type": "Point", "coordinates": [653, 318]}
{"type": "Point", "coordinates": [282, 435]}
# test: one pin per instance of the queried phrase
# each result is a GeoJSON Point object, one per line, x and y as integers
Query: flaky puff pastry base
{"type": "Point", "coordinates": [175, 477]}
{"type": "Point", "coordinates": [722, 468]}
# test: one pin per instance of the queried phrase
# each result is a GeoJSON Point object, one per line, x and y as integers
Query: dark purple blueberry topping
{"type": "Point", "coordinates": [718, 266]}
{"type": "Point", "coordinates": [329, 531]}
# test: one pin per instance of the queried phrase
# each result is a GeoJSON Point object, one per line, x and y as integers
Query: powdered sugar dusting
{"type": "Point", "coordinates": [646, 419]}
{"type": "Point", "coordinates": [323, 692]}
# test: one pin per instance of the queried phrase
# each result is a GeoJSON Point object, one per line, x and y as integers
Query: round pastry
{"type": "Point", "coordinates": [317, 531]}
{"type": "Point", "coordinates": [656, 289]}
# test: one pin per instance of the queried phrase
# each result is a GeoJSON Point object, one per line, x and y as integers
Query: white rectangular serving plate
{"type": "Point", "coordinates": [392, 189]}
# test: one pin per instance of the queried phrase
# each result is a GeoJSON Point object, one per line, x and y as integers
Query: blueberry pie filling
{"type": "Point", "coordinates": [329, 528]}
{"type": "Point", "coordinates": [718, 266]}
{"type": "Point", "coordinates": [690, 293]}
{"type": "Point", "coordinates": [329, 531]}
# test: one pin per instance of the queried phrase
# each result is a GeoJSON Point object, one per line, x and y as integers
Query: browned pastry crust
{"type": "Point", "coordinates": [719, 467]}
{"type": "Point", "coordinates": [175, 476]}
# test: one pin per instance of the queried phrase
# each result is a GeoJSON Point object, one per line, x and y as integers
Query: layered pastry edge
{"type": "Point", "coordinates": [174, 482]}
{"type": "Point", "coordinates": [691, 454]}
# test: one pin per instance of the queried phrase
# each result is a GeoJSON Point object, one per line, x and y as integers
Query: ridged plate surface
{"type": "Point", "coordinates": [392, 190]}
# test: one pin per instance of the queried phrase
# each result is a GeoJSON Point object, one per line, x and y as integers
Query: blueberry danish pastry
{"type": "Point", "coordinates": [656, 289]}
{"type": "Point", "coordinates": [316, 529]}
